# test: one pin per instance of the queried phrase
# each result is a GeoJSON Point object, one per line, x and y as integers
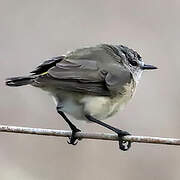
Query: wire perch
{"type": "Point", "coordinates": [84, 135]}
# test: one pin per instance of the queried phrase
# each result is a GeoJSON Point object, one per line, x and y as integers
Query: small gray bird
{"type": "Point", "coordinates": [90, 84]}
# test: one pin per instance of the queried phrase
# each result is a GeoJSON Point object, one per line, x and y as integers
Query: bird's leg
{"type": "Point", "coordinates": [123, 145]}
{"type": "Point", "coordinates": [72, 139]}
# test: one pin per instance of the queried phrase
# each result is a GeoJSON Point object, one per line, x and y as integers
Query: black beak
{"type": "Point", "coordinates": [148, 67]}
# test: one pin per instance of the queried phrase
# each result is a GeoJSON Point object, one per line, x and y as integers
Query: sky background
{"type": "Point", "coordinates": [33, 31]}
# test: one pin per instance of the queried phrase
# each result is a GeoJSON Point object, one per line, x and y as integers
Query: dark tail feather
{"type": "Point", "coordinates": [19, 81]}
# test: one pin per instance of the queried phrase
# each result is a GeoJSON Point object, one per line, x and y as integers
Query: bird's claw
{"type": "Point", "coordinates": [72, 139]}
{"type": "Point", "coordinates": [123, 145]}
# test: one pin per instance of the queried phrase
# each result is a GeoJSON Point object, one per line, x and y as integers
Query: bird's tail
{"type": "Point", "coordinates": [19, 81]}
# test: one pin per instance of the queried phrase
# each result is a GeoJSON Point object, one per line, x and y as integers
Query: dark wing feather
{"type": "Point", "coordinates": [80, 70]}
{"type": "Point", "coordinates": [115, 82]}
{"type": "Point", "coordinates": [46, 65]}
{"type": "Point", "coordinates": [72, 85]}
{"type": "Point", "coordinates": [77, 76]}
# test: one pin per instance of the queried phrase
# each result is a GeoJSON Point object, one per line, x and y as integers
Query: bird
{"type": "Point", "coordinates": [89, 83]}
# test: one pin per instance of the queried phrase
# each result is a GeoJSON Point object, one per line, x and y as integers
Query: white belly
{"type": "Point", "coordinates": [99, 107]}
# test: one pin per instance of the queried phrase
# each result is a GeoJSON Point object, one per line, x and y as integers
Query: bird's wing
{"type": "Point", "coordinates": [87, 74]}
{"type": "Point", "coordinates": [76, 76]}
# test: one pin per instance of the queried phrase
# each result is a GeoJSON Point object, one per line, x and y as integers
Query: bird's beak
{"type": "Point", "coordinates": [148, 67]}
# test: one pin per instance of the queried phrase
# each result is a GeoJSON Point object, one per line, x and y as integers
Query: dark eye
{"type": "Point", "coordinates": [133, 63]}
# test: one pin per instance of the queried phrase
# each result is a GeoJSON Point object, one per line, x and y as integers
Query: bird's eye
{"type": "Point", "coordinates": [133, 63]}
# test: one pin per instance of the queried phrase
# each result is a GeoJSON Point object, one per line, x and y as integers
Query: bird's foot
{"type": "Point", "coordinates": [123, 145]}
{"type": "Point", "coordinates": [73, 140]}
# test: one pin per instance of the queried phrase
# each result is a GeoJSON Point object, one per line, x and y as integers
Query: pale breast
{"type": "Point", "coordinates": [104, 107]}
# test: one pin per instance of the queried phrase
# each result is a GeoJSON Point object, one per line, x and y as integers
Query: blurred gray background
{"type": "Point", "coordinates": [33, 31]}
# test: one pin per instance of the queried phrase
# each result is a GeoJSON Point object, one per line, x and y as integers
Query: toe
{"type": "Point", "coordinates": [73, 140]}
{"type": "Point", "coordinates": [124, 145]}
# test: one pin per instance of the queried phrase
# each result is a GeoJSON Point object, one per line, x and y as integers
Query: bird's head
{"type": "Point", "coordinates": [133, 61]}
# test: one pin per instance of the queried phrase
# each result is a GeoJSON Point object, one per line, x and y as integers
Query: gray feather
{"type": "Point", "coordinates": [87, 72]}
